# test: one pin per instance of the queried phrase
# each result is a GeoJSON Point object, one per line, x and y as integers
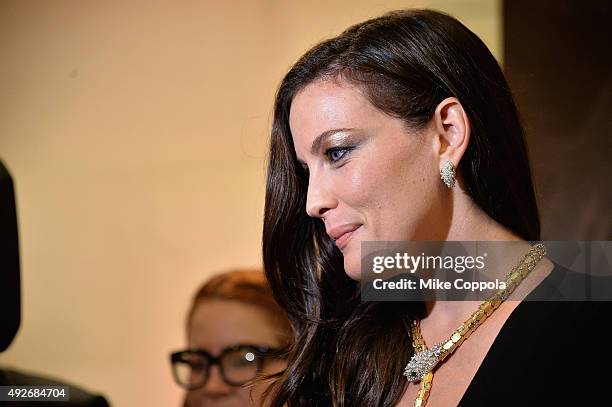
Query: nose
{"type": "Point", "coordinates": [215, 385]}
{"type": "Point", "coordinates": [319, 198]}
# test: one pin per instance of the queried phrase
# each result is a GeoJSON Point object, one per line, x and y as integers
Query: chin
{"type": "Point", "coordinates": [352, 259]}
{"type": "Point", "coordinates": [353, 269]}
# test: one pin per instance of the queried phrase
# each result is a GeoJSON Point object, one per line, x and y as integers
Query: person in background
{"type": "Point", "coordinates": [236, 338]}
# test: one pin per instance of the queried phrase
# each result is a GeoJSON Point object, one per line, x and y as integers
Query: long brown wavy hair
{"type": "Point", "coordinates": [348, 352]}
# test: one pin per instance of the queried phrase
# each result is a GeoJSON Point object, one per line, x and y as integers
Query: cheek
{"type": "Point", "coordinates": [403, 192]}
{"type": "Point", "coordinates": [244, 394]}
{"type": "Point", "coordinates": [274, 366]}
{"type": "Point", "coordinates": [353, 186]}
{"type": "Point", "coordinates": [359, 185]}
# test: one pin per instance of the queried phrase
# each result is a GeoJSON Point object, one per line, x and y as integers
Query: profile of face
{"type": "Point", "coordinates": [370, 176]}
{"type": "Point", "coordinates": [218, 325]}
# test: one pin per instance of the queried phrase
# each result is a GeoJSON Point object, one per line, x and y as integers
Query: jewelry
{"type": "Point", "coordinates": [419, 346]}
{"type": "Point", "coordinates": [424, 360]}
{"type": "Point", "coordinates": [447, 174]}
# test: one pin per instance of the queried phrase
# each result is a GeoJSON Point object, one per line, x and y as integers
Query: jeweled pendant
{"type": "Point", "coordinates": [422, 363]}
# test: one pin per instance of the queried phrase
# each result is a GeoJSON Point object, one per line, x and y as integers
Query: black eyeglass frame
{"type": "Point", "coordinates": [261, 353]}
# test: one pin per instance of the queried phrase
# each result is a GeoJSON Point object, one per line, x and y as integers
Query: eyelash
{"type": "Point", "coordinates": [330, 151]}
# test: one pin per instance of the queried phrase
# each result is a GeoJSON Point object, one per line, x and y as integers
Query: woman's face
{"type": "Point", "coordinates": [371, 178]}
{"type": "Point", "coordinates": [218, 324]}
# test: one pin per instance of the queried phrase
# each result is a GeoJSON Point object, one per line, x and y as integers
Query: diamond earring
{"type": "Point", "coordinates": [447, 174]}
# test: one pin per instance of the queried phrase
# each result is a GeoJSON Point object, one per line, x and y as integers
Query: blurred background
{"type": "Point", "coordinates": [136, 135]}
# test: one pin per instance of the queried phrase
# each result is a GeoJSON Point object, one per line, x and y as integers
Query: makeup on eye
{"type": "Point", "coordinates": [337, 146]}
{"type": "Point", "coordinates": [334, 145]}
{"type": "Point", "coordinates": [335, 154]}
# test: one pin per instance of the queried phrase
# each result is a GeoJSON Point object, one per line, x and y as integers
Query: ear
{"type": "Point", "coordinates": [452, 127]}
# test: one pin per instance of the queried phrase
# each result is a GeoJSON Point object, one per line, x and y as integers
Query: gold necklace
{"type": "Point", "coordinates": [419, 346]}
{"type": "Point", "coordinates": [421, 365]}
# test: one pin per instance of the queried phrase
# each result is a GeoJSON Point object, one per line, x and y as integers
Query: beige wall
{"type": "Point", "coordinates": [136, 134]}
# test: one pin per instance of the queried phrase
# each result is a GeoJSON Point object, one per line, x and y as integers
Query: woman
{"type": "Point", "coordinates": [400, 128]}
{"type": "Point", "coordinates": [236, 333]}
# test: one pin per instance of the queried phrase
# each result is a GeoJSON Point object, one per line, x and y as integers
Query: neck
{"type": "Point", "coordinates": [470, 223]}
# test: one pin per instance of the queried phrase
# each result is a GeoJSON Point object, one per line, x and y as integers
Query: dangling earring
{"type": "Point", "coordinates": [447, 173]}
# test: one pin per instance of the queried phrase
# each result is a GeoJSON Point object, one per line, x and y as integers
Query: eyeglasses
{"type": "Point", "coordinates": [238, 364]}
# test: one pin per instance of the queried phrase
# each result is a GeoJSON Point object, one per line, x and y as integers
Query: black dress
{"type": "Point", "coordinates": [549, 353]}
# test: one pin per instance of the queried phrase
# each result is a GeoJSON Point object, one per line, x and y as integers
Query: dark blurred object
{"type": "Point", "coordinates": [10, 304]}
{"type": "Point", "coordinates": [10, 301]}
{"type": "Point", "coordinates": [78, 397]}
{"type": "Point", "coordinates": [559, 65]}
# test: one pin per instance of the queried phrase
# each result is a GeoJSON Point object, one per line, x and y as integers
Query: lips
{"type": "Point", "coordinates": [342, 234]}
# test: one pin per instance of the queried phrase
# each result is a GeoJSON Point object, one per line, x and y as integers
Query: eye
{"type": "Point", "coordinates": [337, 153]}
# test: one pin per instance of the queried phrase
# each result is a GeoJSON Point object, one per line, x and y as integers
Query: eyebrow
{"type": "Point", "coordinates": [316, 143]}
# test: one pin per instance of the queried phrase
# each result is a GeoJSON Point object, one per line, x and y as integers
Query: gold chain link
{"type": "Point", "coordinates": [513, 279]}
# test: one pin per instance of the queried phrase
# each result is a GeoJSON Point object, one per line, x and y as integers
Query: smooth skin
{"type": "Point", "coordinates": [217, 324]}
{"type": "Point", "coordinates": [374, 178]}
